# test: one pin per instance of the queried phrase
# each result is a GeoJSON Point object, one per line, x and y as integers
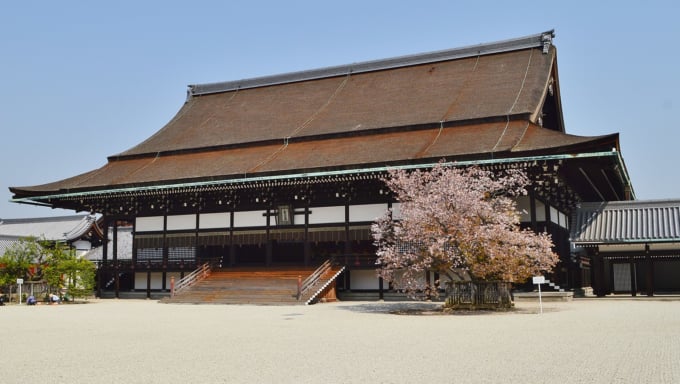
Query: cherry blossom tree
{"type": "Point", "coordinates": [458, 221]}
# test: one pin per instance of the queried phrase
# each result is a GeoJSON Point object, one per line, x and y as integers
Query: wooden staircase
{"type": "Point", "coordinates": [252, 285]}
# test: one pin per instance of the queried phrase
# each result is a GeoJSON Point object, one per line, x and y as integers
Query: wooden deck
{"type": "Point", "coordinates": [263, 286]}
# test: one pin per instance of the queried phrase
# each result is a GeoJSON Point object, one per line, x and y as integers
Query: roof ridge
{"type": "Point", "coordinates": [43, 219]}
{"type": "Point", "coordinates": [543, 40]}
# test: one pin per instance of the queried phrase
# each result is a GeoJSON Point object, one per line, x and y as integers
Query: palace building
{"type": "Point", "coordinates": [286, 170]}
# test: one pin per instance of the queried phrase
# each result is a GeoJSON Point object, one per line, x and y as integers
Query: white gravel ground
{"type": "Point", "coordinates": [142, 341]}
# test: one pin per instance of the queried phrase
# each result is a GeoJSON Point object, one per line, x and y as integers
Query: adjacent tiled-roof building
{"type": "Point", "coordinates": [635, 245]}
{"type": "Point", "coordinates": [62, 229]}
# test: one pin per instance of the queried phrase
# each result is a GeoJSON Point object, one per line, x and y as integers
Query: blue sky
{"type": "Point", "coordinates": [86, 80]}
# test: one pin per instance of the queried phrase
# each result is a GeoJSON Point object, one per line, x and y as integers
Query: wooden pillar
{"type": "Point", "coordinates": [532, 208]}
{"type": "Point", "coordinates": [599, 282]}
{"type": "Point", "coordinates": [348, 244]}
{"type": "Point", "coordinates": [633, 278]}
{"type": "Point", "coordinates": [306, 247]}
{"type": "Point", "coordinates": [268, 241]}
{"type": "Point", "coordinates": [166, 252]}
{"type": "Point", "coordinates": [197, 259]}
{"type": "Point", "coordinates": [650, 271]}
{"type": "Point", "coordinates": [134, 243]}
{"type": "Point", "coordinates": [103, 266]}
{"type": "Point", "coordinates": [232, 246]}
{"type": "Point", "coordinates": [148, 279]}
{"type": "Point", "coordinates": [115, 258]}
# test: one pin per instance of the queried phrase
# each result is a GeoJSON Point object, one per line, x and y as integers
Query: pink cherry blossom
{"type": "Point", "coordinates": [458, 222]}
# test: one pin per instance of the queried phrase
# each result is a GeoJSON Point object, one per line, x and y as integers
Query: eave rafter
{"type": "Point", "coordinates": [545, 173]}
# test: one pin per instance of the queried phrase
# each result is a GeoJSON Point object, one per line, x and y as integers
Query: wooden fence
{"type": "Point", "coordinates": [478, 295]}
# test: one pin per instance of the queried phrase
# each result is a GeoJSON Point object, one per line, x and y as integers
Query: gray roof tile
{"type": "Point", "coordinates": [626, 222]}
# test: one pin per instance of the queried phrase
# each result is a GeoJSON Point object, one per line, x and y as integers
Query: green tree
{"type": "Point", "coordinates": [63, 269]}
{"type": "Point", "coordinates": [21, 260]}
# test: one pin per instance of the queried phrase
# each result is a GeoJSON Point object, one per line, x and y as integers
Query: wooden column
{"type": "Point", "coordinates": [268, 241]}
{"type": "Point", "coordinates": [103, 266]}
{"type": "Point", "coordinates": [306, 247]}
{"type": "Point", "coordinates": [532, 208]}
{"type": "Point", "coordinates": [165, 252]}
{"type": "Point", "coordinates": [232, 246]}
{"type": "Point", "coordinates": [148, 279]}
{"type": "Point", "coordinates": [650, 271]}
{"type": "Point", "coordinates": [348, 244]}
{"type": "Point", "coordinates": [599, 274]}
{"type": "Point", "coordinates": [633, 279]}
{"type": "Point", "coordinates": [115, 258]}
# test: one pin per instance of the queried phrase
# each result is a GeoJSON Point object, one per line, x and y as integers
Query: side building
{"type": "Point", "coordinates": [288, 169]}
{"type": "Point", "coordinates": [633, 247]}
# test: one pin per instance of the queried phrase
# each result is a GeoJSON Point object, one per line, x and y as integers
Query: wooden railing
{"type": "Point", "coordinates": [199, 274]}
{"type": "Point", "coordinates": [311, 280]}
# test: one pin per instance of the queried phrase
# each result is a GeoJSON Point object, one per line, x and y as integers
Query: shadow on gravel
{"type": "Point", "coordinates": [432, 309]}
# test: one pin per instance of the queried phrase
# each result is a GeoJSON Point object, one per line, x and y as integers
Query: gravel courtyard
{"type": "Point", "coordinates": [610, 340]}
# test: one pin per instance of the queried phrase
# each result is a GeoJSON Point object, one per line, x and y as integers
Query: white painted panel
{"type": "Point", "coordinates": [250, 219]}
{"type": "Point", "coordinates": [156, 281]}
{"type": "Point", "coordinates": [524, 208]}
{"type": "Point", "coordinates": [181, 222]}
{"type": "Point", "coordinates": [365, 279]}
{"type": "Point", "coordinates": [396, 211]}
{"type": "Point", "coordinates": [151, 223]}
{"type": "Point", "coordinates": [213, 220]}
{"type": "Point", "coordinates": [140, 281]}
{"type": "Point", "coordinates": [540, 211]}
{"type": "Point", "coordinates": [554, 215]}
{"type": "Point", "coordinates": [321, 215]}
{"type": "Point", "coordinates": [564, 221]}
{"type": "Point", "coordinates": [366, 212]}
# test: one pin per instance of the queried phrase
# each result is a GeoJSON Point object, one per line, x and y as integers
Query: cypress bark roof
{"type": "Point", "coordinates": [490, 101]}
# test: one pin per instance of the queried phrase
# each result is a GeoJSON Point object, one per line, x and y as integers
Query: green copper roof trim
{"type": "Point", "coordinates": [245, 179]}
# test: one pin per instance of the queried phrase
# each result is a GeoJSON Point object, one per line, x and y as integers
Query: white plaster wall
{"type": "Point", "coordinates": [250, 219]}
{"type": "Point", "coordinates": [365, 279]}
{"type": "Point", "coordinates": [156, 280]}
{"type": "Point", "coordinates": [366, 212]}
{"type": "Point", "coordinates": [214, 220]}
{"type": "Point", "coordinates": [322, 215]}
{"type": "Point", "coordinates": [540, 211]}
{"type": "Point", "coordinates": [140, 280]}
{"type": "Point", "coordinates": [150, 223]}
{"type": "Point", "coordinates": [554, 215]}
{"type": "Point", "coordinates": [177, 222]}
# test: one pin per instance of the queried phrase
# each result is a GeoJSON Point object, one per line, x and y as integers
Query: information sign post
{"type": "Point", "coordinates": [19, 283]}
{"type": "Point", "coordinates": [538, 280]}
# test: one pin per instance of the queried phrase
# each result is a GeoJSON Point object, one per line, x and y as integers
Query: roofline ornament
{"type": "Point", "coordinates": [546, 38]}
